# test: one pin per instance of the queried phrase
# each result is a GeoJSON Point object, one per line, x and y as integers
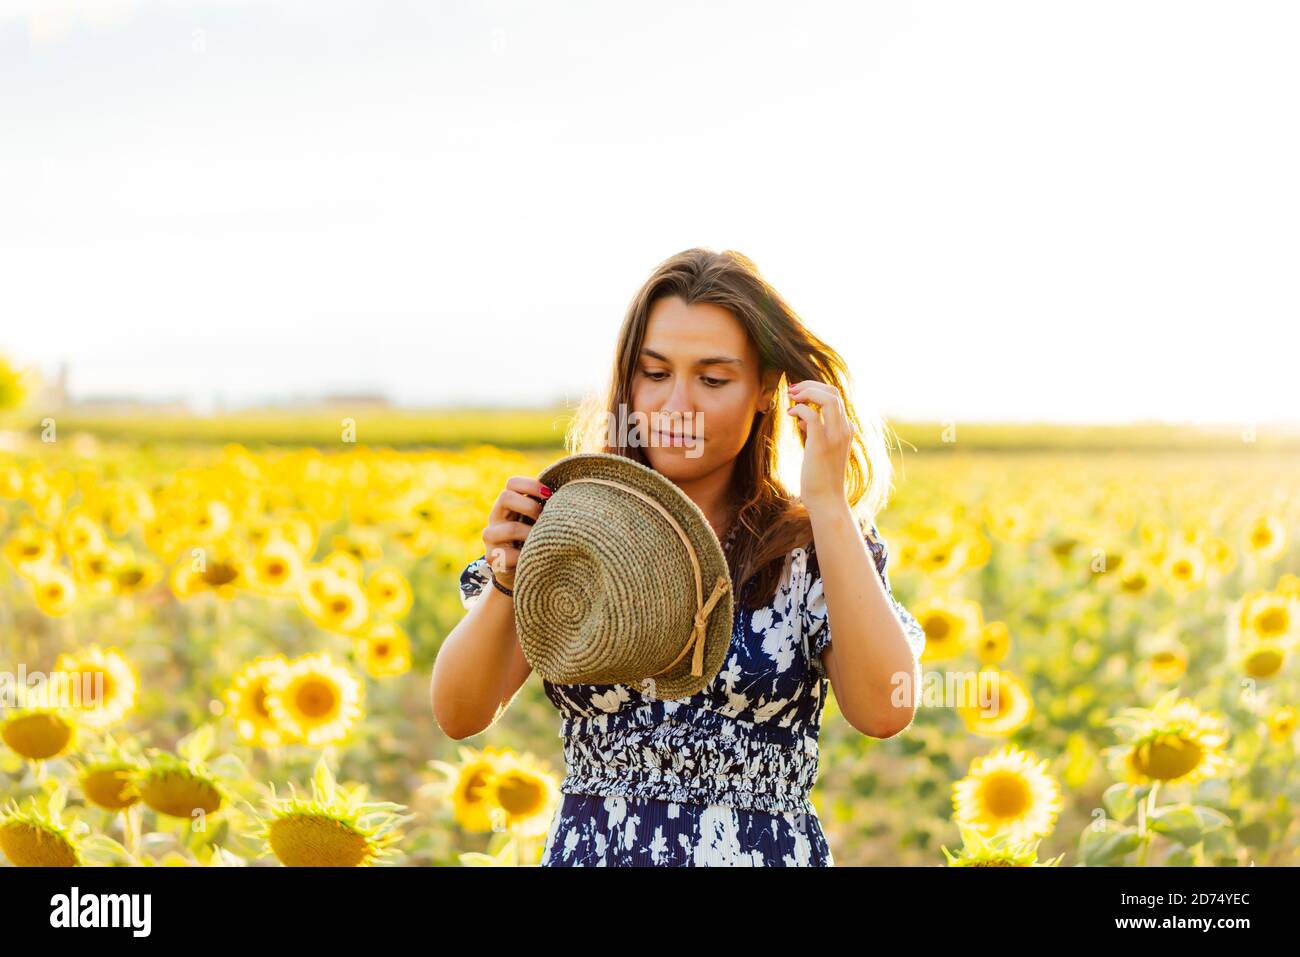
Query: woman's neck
{"type": "Point", "coordinates": [712, 493]}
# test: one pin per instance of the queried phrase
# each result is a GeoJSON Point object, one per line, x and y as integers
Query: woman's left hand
{"type": "Point", "coordinates": [828, 436]}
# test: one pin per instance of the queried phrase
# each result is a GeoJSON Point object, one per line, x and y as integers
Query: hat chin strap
{"type": "Point", "coordinates": [700, 624]}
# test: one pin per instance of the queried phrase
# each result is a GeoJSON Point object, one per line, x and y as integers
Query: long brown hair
{"type": "Point", "coordinates": [771, 520]}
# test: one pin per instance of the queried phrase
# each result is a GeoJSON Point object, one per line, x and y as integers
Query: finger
{"type": "Point", "coordinates": [822, 393]}
{"type": "Point", "coordinates": [502, 558]}
{"type": "Point", "coordinates": [517, 504]}
{"type": "Point", "coordinates": [806, 418]}
{"type": "Point", "coordinates": [814, 412]}
{"type": "Point", "coordinates": [527, 485]}
{"type": "Point", "coordinates": [505, 533]}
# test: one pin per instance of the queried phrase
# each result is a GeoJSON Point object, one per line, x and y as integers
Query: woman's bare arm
{"type": "Point", "coordinates": [480, 666]}
{"type": "Point", "coordinates": [479, 669]}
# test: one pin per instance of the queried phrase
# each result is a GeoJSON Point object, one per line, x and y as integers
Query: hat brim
{"type": "Point", "coordinates": [677, 682]}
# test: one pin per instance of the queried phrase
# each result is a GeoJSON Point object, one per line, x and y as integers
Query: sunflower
{"type": "Point", "coordinates": [942, 559]}
{"type": "Point", "coordinates": [465, 785]}
{"type": "Point", "coordinates": [1010, 522]}
{"type": "Point", "coordinates": [132, 575]}
{"type": "Point", "coordinates": [1164, 657]}
{"type": "Point", "coordinates": [1172, 742]}
{"type": "Point", "coordinates": [335, 602]}
{"type": "Point", "coordinates": [1183, 568]}
{"type": "Point", "coordinates": [415, 539]}
{"type": "Point", "coordinates": [80, 532]}
{"type": "Point", "coordinates": [299, 531]}
{"type": "Point", "coordinates": [1218, 553]}
{"type": "Point", "coordinates": [314, 699]}
{"type": "Point", "coordinates": [37, 838]}
{"type": "Point", "coordinates": [1008, 792]}
{"type": "Point", "coordinates": [950, 625]}
{"type": "Point", "coordinates": [364, 547]}
{"type": "Point", "coordinates": [1135, 576]}
{"type": "Point", "coordinates": [332, 828]}
{"type": "Point", "coordinates": [1270, 616]}
{"type": "Point", "coordinates": [44, 835]}
{"type": "Point", "coordinates": [216, 569]}
{"type": "Point", "coordinates": [346, 564]}
{"type": "Point", "coordinates": [1282, 723]}
{"type": "Point", "coordinates": [1107, 560]}
{"type": "Point", "coordinates": [53, 588]}
{"type": "Point", "coordinates": [179, 788]}
{"type": "Point", "coordinates": [521, 794]}
{"type": "Point", "coordinates": [93, 570]}
{"type": "Point", "coordinates": [994, 642]}
{"type": "Point", "coordinates": [1010, 705]}
{"type": "Point", "coordinates": [387, 650]}
{"type": "Point", "coordinates": [979, 850]}
{"type": "Point", "coordinates": [246, 703]}
{"type": "Point", "coordinates": [11, 481]}
{"type": "Point", "coordinates": [388, 591]}
{"type": "Point", "coordinates": [210, 520]}
{"type": "Point", "coordinates": [38, 733]}
{"type": "Point", "coordinates": [275, 568]}
{"type": "Point", "coordinates": [86, 669]}
{"type": "Point", "coordinates": [29, 547]}
{"type": "Point", "coordinates": [1265, 538]}
{"type": "Point", "coordinates": [109, 783]}
{"type": "Point", "coordinates": [1259, 659]}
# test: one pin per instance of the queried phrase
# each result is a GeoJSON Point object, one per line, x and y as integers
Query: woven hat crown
{"type": "Point", "coordinates": [621, 580]}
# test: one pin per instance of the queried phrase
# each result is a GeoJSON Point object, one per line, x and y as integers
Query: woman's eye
{"type": "Point", "coordinates": [655, 376]}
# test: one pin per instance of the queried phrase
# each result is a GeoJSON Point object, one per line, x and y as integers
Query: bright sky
{"type": "Point", "coordinates": [1062, 211]}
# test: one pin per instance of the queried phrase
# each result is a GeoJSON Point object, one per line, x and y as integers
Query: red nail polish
{"type": "Point", "coordinates": [546, 492]}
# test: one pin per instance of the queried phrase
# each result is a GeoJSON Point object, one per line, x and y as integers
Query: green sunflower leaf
{"type": "Point", "coordinates": [1108, 845]}
{"type": "Point", "coordinates": [1186, 823]}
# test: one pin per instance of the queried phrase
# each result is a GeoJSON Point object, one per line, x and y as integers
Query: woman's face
{"type": "Point", "coordinates": [697, 376]}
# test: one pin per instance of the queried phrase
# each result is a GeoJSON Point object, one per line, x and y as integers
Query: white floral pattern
{"type": "Point", "coordinates": [722, 776]}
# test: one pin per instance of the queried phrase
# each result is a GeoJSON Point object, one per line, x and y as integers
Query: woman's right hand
{"type": "Point", "coordinates": [511, 519]}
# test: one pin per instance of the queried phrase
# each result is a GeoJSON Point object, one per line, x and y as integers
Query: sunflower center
{"type": "Point", "coordinates": [1006, 795]}
{"type": "Point", "coordinates": [315, 699]}
{"type": "Point", "coordinates": [937, 627]}
{"type": "Point", "coordinates": [1272, 623]}
{"type": "Point", "coordinates": [312, 840]}
{"type": "Point", "coordinates": [30, 846]}
{"type": "Point", "coordinates": [1264, 663]}
{"type": "Point", "coordinates": [219, 573]}
{"type": "Point", "coordinates": [1169, 757]}
{"type": "Point", "coordinates": [37, 736]}
{"type": "Point", "coordinates": [519, 795]}
{"type": "Point", "coordinates": [258, 701]}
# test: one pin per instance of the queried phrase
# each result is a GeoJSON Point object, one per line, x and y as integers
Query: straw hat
{"type": "Point", "coordinates": [621, 580]}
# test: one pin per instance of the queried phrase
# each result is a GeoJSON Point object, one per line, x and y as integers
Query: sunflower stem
{"type": "Point", "coordinates": [1145, 808]}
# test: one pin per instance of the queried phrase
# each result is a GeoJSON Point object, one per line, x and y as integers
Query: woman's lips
{"type": "Point", "coordinates": [675, 439]}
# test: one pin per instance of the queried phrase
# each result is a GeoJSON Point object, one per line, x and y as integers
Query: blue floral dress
{"type": "Point", "coordinates": [721, 777]}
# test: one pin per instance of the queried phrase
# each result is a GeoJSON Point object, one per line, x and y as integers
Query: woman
{"type": "Point", "coordinates": [723, 776]}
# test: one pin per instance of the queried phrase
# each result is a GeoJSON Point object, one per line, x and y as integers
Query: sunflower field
{"type": "Point", "coordinates": [246, 634]}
